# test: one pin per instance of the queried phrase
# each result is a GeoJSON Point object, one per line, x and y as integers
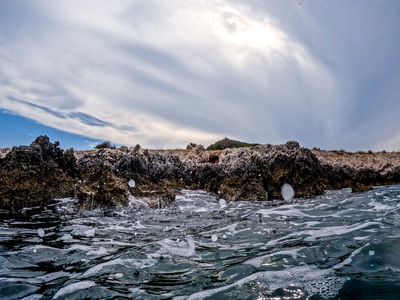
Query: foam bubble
{"type": "Point", "coordinates": [287, 192]}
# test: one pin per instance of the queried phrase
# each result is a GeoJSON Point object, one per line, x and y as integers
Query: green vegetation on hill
{"type": "Point", "coordinates": [105, 144]}
{"type": "Point", "coordinates": [228, 143]}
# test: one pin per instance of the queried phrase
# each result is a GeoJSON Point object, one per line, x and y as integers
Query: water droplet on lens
{"type": "Point", "coordinates": [214, 238]}
{"type": "Point", "coordinates": [132, 183]}
{"type": "Point", "coordinates": [287, 192]}
{"type": "Point", "coordinates": [370, 253]}
{"type": "Point", "coordinates": [40, 232]}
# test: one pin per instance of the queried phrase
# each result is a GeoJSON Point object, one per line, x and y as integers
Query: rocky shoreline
{"type": "Point", "coordinates": [34, 175]}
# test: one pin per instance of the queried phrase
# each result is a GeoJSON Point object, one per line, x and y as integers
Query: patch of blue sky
{"type": "Point", "coordinates": [16, 130]}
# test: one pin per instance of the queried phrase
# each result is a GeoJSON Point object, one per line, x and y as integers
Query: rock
{"type": "Point", "coordinates": [4, 152]}
{"type": "Point", "coordinates": [104, 156]}
{"type": "Point", "coordinates": [124, 149]}
{"type": "Point", "coordinates": [99, 187]}
{"type": "Point", "coordinates": [198, 149]}
{"type": "Point", "coordinates": [132, 166]}
{"type": "Point", "coordinates": [191, 146]}
{"type": "Point", "coordinates": [32, 175]}
{"type": "Point", "coordinates": [151, 166]}
{"type": "Point", "coordinates": [160, 194]}
{"type": "Point", "coordinates": [238, 188]}
{"type": "Point", "coordinates": [272, 166]}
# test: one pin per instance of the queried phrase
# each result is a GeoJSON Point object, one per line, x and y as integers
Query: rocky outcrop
{"type": "Point", "coordinates": [99, 187]}
{"type": "Point", "coordinates": [33, 175]}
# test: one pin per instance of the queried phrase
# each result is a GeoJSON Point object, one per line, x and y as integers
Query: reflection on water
{"type": "Point", "coordinates": [337, 246]}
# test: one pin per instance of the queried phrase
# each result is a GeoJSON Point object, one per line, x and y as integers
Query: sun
{"type": "Point", "coordinates": [257, 34]}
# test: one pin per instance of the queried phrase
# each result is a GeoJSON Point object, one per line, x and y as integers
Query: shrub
{"type": "Point", "coordinates": [228, 143]}
{"type": "Point", "coordinates": [105, 144]}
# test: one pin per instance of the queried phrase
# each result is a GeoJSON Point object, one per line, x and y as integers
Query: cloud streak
{"type": "Point", "coordinates": [165, 74]}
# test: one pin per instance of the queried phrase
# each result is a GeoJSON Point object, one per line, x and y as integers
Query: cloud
{"type": "Point", "coordinates": [166, 74]}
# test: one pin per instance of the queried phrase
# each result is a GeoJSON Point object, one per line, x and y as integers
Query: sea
{"type": "Point", "coordinates": [340, 245]}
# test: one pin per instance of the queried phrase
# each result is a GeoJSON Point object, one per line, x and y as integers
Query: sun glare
{"type": "Point", "coordinates": [245, 31]}
{"type": "Point", "coordinates": [259, 37]}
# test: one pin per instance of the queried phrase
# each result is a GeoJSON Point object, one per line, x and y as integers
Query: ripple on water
{"type": "Point", "coordinates": [202, 247]}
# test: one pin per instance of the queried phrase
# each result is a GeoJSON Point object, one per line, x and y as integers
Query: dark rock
{"type": "Point", "coordinates": [160, 194]}
{"type": "Point", "coordinates": [99, 187]}
{"type": "Point", "coordinates": [191, 146]}
{"type": "Point", "coordinates": [32, 175]}
{"type": "Point", "coordinates": [129, 166]}
{"type": "Point", "coordinates": [239, 188]}
{"type": "Point", "coordinates": [103, 156]}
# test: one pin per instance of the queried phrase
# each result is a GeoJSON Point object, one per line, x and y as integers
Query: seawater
{"type": "Point", "coordinates": [336, 246]}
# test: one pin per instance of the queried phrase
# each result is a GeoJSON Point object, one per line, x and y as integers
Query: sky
{"type": "Point", "coordinates": [163, 74]}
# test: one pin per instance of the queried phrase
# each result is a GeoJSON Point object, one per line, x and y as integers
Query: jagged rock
{"type": "Point", "coordinates": [32, 175]}
{"type": "Point", "coordinates": [137, 150]}
{"type": "Point", "coordinates": [273, 166]}
{"type": "Point", "coordinates": [157, 176]}
{"type": "Point", "coordinates": [99, 187]}
{"type": "Point", "coordinates": [124, 149]}
{"type": "Point", "coordinates": [238, 188]}
{"type": "Point", "coordinates": [152, 166]}
{"type": "Point", "coordinates": [191, 146]}
{"type": "Point", "coordinates": [198, 149]}
{"type": "Point", "coordinates": [160, 194]}
{"type": "Point", "coordinates": [105, 156]}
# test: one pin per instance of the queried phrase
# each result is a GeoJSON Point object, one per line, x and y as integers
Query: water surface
{"type": "Point", "coordinates": [336, 246]}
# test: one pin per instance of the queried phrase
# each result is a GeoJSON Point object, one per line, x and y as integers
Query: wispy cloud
{"type": "Point", "coordinates": [166, 73]}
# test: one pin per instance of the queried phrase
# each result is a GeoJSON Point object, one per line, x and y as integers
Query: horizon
{"type": "Point", "coordinates": [117, 146]}
{"type": "Point", "coordinates": [162, 75]}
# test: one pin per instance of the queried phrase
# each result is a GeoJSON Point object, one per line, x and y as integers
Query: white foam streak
{"type": "Point", "coordinates": [324, 232]}
{"type": "Point", "coordinates": [179, 248]}
{"type": "Point", "coordinates": [69, 289]}
{"type": "Point", "coordinates": [285, 210]}
{"type": "Point", "coordinates": [231, 229]}
{"type": "Point", "coordinates": [310, 278]}
{"type": "Point", "coordinates": [258, 261]}
{"type": "Point", "coordinates": [138, 263]}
